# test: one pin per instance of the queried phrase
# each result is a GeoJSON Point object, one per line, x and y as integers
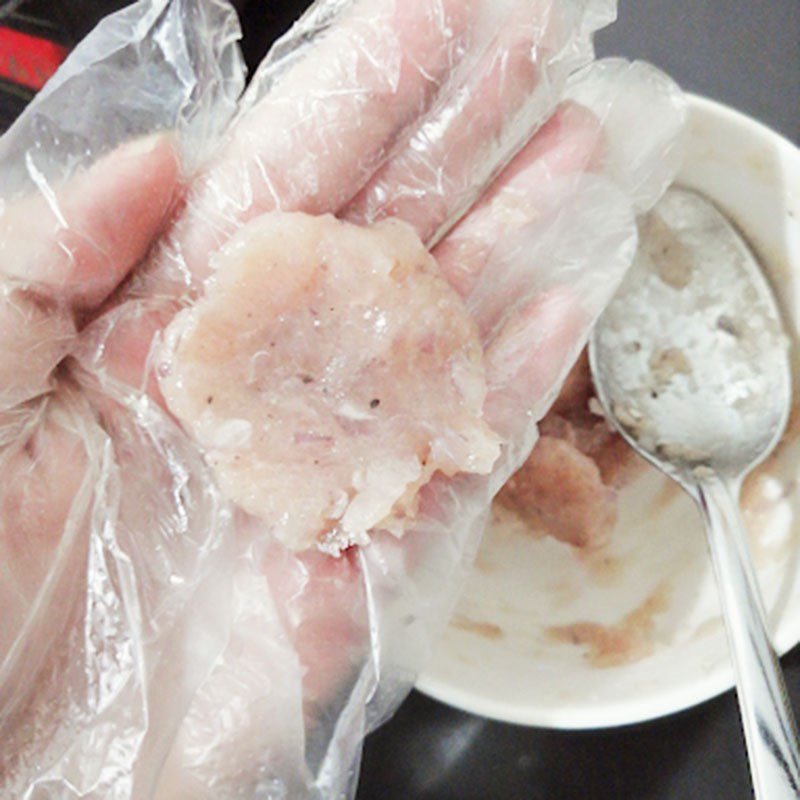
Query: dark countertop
{"type": "Point", "coordinates": [747, 55]}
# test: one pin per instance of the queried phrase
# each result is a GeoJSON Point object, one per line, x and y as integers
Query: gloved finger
{"type": "Point", "coordinates": [266, 708]}
{"type": "Point", "coordinates": [595, 129]}
{"type": "Point", "coordinates": [62, 252]}
{"type": "Point", "coordinates": [45, 506]}
{"type": "Point", "coordinates": [572, 222]}
{"type": "Point", "coordinates": [531, 354]}
{"type": "Point", "coordinates": [74, 243]}
{"type": "Point", "coordinates": [449, 158]}
{"type": "Point", "coordinates": [73, 223]}
{"type": "Point", "coordinates": [35, 498]}
{"type": "Point", "coordinates": [326, 122]}
{"type": "Point", "coordinates": [570, 142]}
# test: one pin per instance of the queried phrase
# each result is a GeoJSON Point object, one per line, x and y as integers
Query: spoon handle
{"type": "Point", "coordinates": [767, 718]}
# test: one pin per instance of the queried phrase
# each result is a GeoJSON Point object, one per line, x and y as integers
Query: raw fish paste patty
{"type": "Point", "coordinates": [328, 372]}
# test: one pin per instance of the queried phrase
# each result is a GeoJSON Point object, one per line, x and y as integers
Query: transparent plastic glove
{"type": "Point", "coordinates": [161, 643]}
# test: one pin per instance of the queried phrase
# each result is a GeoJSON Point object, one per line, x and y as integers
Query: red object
{"type": "Point", "coordinates": [28, 60]}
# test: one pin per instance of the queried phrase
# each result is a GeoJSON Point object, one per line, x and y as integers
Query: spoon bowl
{"type": "Point", "coordinates": [690, 356]}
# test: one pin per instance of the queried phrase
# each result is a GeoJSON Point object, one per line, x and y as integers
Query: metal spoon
{"type": "Point", "coordinates": [691, 365]}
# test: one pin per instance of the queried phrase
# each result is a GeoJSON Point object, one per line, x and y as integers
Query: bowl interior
{"type": "Point", "coordinates": [544, 636]}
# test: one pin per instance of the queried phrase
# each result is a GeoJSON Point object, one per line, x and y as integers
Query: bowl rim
{"type": "Point", "coordinates": [620, 712]}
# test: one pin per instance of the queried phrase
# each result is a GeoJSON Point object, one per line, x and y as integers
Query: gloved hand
{"type": "Point", "coordinates": [156, 640]}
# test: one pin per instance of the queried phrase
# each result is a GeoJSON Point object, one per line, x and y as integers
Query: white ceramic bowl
{"type": "Point", "coordinates": [647, 638]}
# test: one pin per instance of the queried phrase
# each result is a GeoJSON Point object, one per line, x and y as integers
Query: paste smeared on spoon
{"type": "Point", "coordinates": [690, 331]}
